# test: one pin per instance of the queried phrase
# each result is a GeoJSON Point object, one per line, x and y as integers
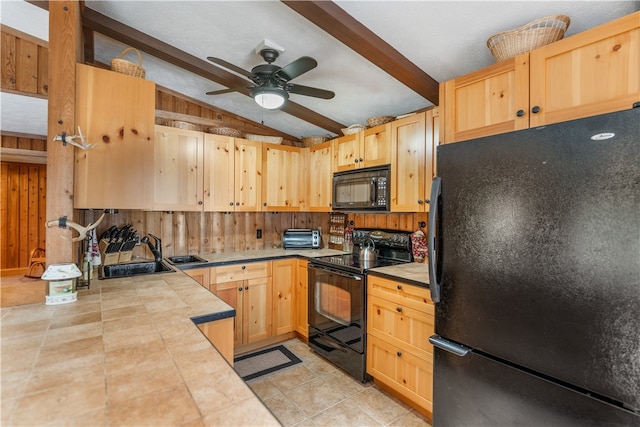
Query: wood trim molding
{"type": "Point", "coordinates": [338, 23]}
{"type": "Point", "coordinates": [24, 36]}
{"type": "Point", "coordinates": [18, 155]}
{"type": "Point", "coordinates": [23, 93]}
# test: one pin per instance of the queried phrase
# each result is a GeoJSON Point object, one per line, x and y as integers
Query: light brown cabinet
{"type": "Point", "coordinates": [400, 318]}
{"type": "Point", "coordinates": [232, 174]}
{"type": "Point", "coordinates": [302, 299]}
{"type": "Point", "coordinates": [248, 289]}
{"type": "Point", "coordinates": [116, 112]}
{"type": "Point", "coordinates": [178, 169]}
{"type": "Point", "coordinates": [364, 149]}
{"type": "Point", "coordinates": [283, 280]}
{"type": "Point", "coordinates": [413, 142]}
{"type": "Point", "coordinates": [200, 275]}
{"type": "Point", "coordinates": [282, 178]}
{"type": "Point", "coordinates": [593, 72]}
{"type": "Point", "coordinates": [319, 177]}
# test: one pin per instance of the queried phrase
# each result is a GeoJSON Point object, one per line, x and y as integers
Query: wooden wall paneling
{"type": "Point", "coordinates": [239, 234]}
{"type": "Point", "coordinates": [217, 235]}
{"type": "Point", "coordinates": [195, 233]}
{"type": "Point", "coordinates": [8, 58]}
{"type": "Point", "coordinates": [206, 245]}
{"type": "Point", "coordinates": [10, 141]}
{"type": "Point", "coordinates": [229, 232]}
{"type": "Point", "coordinates": [27, 63]}
{"type": "Point", "coordinates": [179, 246]}
{"type": "Point", "coordinates": [167, 227]}
{"type": "Point", "coordinates": [33, 210]}
{"type": "Point", "coordinates": [23, 226]}
{"type": "Point", "coordinates": [4, 214]}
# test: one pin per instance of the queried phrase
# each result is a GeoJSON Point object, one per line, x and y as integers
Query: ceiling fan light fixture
{"type": "Point", "coordinates": [269, 98]}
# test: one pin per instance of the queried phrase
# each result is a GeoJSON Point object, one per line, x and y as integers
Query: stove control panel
{"type": "Point", "coordinates": [383, 238]}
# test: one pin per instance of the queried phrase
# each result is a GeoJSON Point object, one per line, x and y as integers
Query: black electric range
{"type": "Point", "coordinates": [392, 247]}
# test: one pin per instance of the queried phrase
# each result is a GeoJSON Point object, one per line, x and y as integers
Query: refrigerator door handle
{"type": "Point", "coordinates": [451, 347]}
{"type": "Point", "coordinates": [434, 284]}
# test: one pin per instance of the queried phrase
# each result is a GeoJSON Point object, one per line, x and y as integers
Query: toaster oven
{"type": "Point", "coordinates": [301, 238]}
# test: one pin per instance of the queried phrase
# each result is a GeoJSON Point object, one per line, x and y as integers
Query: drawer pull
{"type": "Point", "coordinates": [240, 288]}
{"type": "Point", "coordinates": [244, 267]}
{"type": "Point", "coordinates": [246, 288]}
{"type": "Point", "coordinates": [399, 309]}
{"type": "Point", "coordinates": [399, 354]}
{"type": "Point", "coordinates": [399, 287]}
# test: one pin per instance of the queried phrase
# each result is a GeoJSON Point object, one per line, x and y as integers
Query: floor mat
{"type": "Point", "coordinates": [262, 362]}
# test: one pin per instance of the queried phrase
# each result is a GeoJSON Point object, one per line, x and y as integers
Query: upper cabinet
{"type": "Point", "coordinates": [178, 169]}
{"type": "Point", "coordinates": [116, 112]}
{"type": "Point", "coordinates": [233, 174]}
{"type": "Point", "coordinates": [594, 72]}
{"type": "Point", "coordinates": [282, 180]}
{"type": "Point", "coordinates": [320, 177]}
{"type": "Point", "coordinates": [413, 141]}
{"type": "Point", "coordinates": [364, 149]}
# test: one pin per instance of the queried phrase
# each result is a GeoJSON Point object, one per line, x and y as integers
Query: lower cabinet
{"type": "Point", "coordinates": [400, 320]}
{"type": "Point", "coordinates": [283, 280]}
{"type": "Point", "coordinates": [247, 288]}
{"type": "Point", "coordinates": [301, 299]}
{"type": "Point", "coordinates": [220, 334]}
{"type": "Point", "coordinates": [200, 275]}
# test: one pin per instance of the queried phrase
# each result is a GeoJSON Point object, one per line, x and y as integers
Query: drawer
{"type": "Point", "coordinates": [416, 297]}
{"type": "Point", "coordinates": [235, 272]}
{"type": "Point", "coordinates": [401, 326]}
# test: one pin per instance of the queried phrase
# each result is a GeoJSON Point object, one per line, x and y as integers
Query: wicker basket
{"type": "Point", "coordinates": [225, 131]}
{"type": "Point", "coordinates": [535, 34]}
{"type": "Point", "coordinates": [129, 68]}
{"type": "Point", "coordinates": [353, 129]}
{"type": "Point", "coordinates": [263, 138]}
{"type": "Point", "coordinates": [379, 120]}
{"type": "Point", "coordinates": [310, 141]}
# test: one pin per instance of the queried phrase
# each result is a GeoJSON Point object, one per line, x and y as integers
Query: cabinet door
{"type": "Point", "coordinates": [283, 281]}
{"type": "Point", "coordinates": [408, 171]}
{"type": "Point", "coordinates": [593, 72]}
{"type": "Point", "coordinates": [375, 146]}
{"type": "Point", "coordinates": [248, 175]}
{"type": "Point", "coordinates": [346, 150]}
{"type": "Point", "coordinates": [178, 169]}
{"type": "Point", "coordinates": [301, 298]}
{"type": "Point", "coordinates": [407, 374]}
{"type": "Point", "coordinates": [200, 275]}
{"type": "Point", "coordinates": [487, 101]}
{"type": "Point", "coordinates": [257, 310]}
{"type": "Point", "coordinates": [219, 170]}
{"type": "Point", "coordinates": [232, 293]}
{"type": "Point", "coordinates": [320, 177]}
{"type": "Point", "coordinates": [281, 168]}
{"type": "Point", "coordinates": [116, 112]}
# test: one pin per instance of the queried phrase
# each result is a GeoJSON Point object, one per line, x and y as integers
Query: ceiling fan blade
{"type": "Point", "coordinates": [296, 68]}
{"type": "Point", "coordinates": [230, 66]}
{"type": "Point", "coordinates": [221, 91]}
{"type": "Point", "coordinates": [310, 91]}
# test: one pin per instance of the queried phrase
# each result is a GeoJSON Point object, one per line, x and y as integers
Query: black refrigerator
{"type": "Point", "coordinates": [534, 265]}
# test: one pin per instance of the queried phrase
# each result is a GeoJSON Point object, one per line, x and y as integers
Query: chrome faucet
{"type": "Point", "coordinates": [156, 249]}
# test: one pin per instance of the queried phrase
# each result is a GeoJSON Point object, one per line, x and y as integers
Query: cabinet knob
{"type": "Point", "coordinates": [230, 203]}
{"type": "Point", "coordinates": [200, 202]}
{"type": "Point", "coordinates": [399, 354]}
{"type": "Point", "coordinates": [244, 267]}
{"type": "Point", "coordinates": [361, 160]}
{"type": "Point", "coordinates": [535, 109]}
{"type": "Point", "coordinates": [420, 201]}
{"type": "Point", "coordinates": [399, 287]}
{"type": "Point", "coordinates": [237, 203]}
{"type": "Point", "coordinates": [399, 309]}
{"type": "Point", "coordinates": [240, 288]}
{"type": "Point", "coordinates": [427, 201]}
{"type": "Point", "coordinates": [520, 113]}
{"type": "Point", "coordinates": [264, 204]}
{"type": "Point", "coordinates": [356, 160]}
{"type": "Point", "coordinates": [246, 288]}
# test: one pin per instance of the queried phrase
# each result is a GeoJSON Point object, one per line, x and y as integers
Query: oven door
{"type": "Point", "coordinates": [337, 305]}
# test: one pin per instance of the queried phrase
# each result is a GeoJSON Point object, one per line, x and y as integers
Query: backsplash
{"type": "Point", "coordinates": [185, 233]}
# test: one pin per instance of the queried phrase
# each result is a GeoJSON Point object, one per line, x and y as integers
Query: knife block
{"type": "Point", "coordinates": [108, 258]}
{"type": "Point", "coordinates": [124, 256]}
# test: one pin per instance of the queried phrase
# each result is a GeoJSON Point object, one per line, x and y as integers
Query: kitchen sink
{"type": "Point", "coordinates": [185, 259]}
{"type": "Point", "coordinates": [134, 269]}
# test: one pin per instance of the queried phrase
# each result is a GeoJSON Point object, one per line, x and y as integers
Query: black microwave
{"type": "Point", "coordinates": [362, 189]}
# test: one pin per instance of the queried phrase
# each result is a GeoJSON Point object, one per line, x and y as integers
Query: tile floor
{"type": "Point", "coordinates": [316, 393]}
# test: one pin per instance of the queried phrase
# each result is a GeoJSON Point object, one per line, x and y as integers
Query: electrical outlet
{"type": "Point", "coordinates": [259, 233]}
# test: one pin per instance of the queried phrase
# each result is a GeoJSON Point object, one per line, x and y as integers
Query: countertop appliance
{"type": "Point", "coordinates": [301, 238]}
{"type": "Point", "coordinates": [337, 297]}
{"type": "Point", "coordinates": [362, 189]}
{"type": "Point", "coordinates": [535, 269]}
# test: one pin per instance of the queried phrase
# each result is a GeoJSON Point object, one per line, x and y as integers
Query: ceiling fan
{"type": "Point", "coordinates": [271, 83]}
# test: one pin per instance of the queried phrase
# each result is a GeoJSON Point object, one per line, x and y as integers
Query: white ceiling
{"type": "Point", "coordinates": [443, 38]}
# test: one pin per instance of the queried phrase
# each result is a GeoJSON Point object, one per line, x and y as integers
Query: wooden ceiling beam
{"type": "Point", "coordinates": [100, 23]}
{"type": "Point", "coordinates": [335, 21]}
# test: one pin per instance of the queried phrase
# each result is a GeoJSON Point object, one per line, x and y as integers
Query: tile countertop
{"type": "Point", "coordinates": [128, 353]}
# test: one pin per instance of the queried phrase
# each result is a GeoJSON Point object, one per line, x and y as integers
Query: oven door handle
{"type": "Point", "coordinates": [335, 271]}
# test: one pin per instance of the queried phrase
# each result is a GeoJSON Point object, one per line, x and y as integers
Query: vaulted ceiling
{"type": "Point", "coordinates": [379, 57]}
